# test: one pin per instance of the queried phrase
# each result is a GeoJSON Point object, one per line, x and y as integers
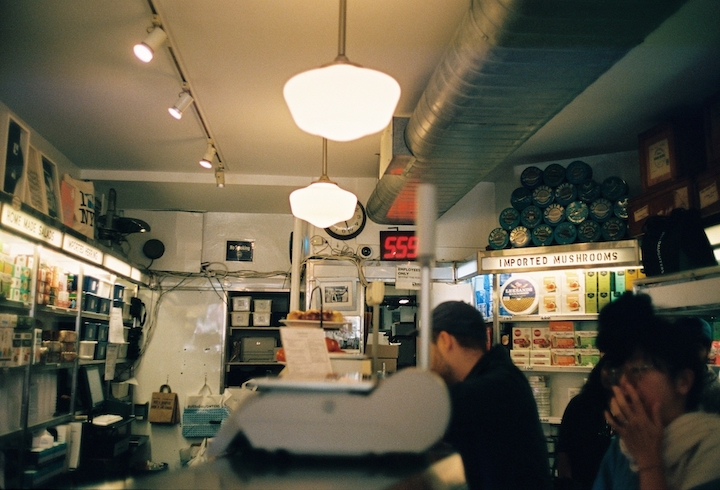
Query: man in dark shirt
{"type": "Point", "coordinates": [494, 423]}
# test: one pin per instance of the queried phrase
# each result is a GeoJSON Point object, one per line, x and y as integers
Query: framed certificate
{"type": "Point", "coordinates": [658, 162]}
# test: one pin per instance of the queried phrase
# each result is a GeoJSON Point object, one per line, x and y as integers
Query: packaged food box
{"type": "Point", "coordinates": [573, 282]}
{"type": "Point", "coordinates": [520, 357]}
{"type": "Point", "coordinates": [587, 357]}
{"type": "Point", "coordinates": [563, 357]}
{"type": "Point", "coordinates": [540, 338]}
{"type": "Point", "coordinates": [585, 339]}
{"type": "Point", "coordinates": [540, 362]}
{"type": "Point", "coordinates": [549, 304]}
{"type": "Point", "coordinates": [603, 300]}
{"type": "Point", "coordinates": [521, 338]}
{"type": "Point", "coordinates": [573, 303]}
{"type": "Point", "coordinates": [549, 283]}
{"type": "Point", "coordinates": [562, 340]}
{"type": "Point", "coordinates": [561, 326]}
{"type": "Point", "coordinates": [618, 281]}
{"type": "Point", "coordinates": [540, 354]}
{"type": "Point", "coordinates": [591, 282]}
{"type": "Point", "coordinates": [591, 303]}
{"type": "Point", "coordinates": [604, 281]}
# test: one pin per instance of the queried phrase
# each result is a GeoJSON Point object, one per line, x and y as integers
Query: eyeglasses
{"type": "Point", "coordinates": [633, 373]}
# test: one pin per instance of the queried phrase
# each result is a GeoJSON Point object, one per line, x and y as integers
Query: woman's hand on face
{"type": "Point", "coordinates": [640, 429]}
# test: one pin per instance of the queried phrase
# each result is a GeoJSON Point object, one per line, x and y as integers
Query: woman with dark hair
{"type": "Point", "coordinates": [662, 441]}
{"type": "Point", "coordinates": [584, 434]}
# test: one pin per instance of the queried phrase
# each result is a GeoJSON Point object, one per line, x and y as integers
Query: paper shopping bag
{"type": "Point", "coordinates": [164, 407]}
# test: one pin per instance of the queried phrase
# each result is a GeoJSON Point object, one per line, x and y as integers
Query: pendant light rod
{"type": "Point", "coordinates": [324, 177]}
{"type": "Point", "coordinates": [341, 32]}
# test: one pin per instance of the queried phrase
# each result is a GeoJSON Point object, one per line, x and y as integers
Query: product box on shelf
{"type": "Point", "coordinates": [239, 318]}
{"type": "Point", "coordinates": [520, 357]}
{"type": "Point", "coordinates": [521, 337]}
{"type": "Point", "coordinates": [573, 303]}
{"type": "Point", "coordinates": [540, 338]}
{"type": "Point", "coordinates": [561, 326]}
{"type": "Point", "coordinates": [585, 339]}
{"type": "Point", "coordinates": [6, 344]}
{"type": "Point", "coordinates": [22, 348]}
{"type": "Point", "coordinates": [562, 340]}
{"type": "Point", "coordinates": [591, 282]}
{"type": "Point", "coordinates": [618, 281]}
{"type": "Point", "coordinates": [603, 300]}
{"type": "Point", "coordinates": [563, 357]}
{"type": "Point", "coordinates": [591, 303]}
{"type": "Point", "coordinates": [587, 357]}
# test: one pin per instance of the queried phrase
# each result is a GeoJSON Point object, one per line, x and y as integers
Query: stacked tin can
{"type": "Point", "coordinates": [562, 205]}
{"type": "Point", "coordinates": [541, 392]}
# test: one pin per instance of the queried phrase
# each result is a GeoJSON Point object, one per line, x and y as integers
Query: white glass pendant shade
{"type": "Point", "coordinates": [322, 204]}
{"type": "Point", "coordinates": [342, 101]}
{"type": "Point", "coordinates": [146, 49]}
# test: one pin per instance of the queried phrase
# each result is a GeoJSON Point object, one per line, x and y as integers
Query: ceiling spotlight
{"type": "Point", "coordinates": [323, 203]}
{"type": "Point", "coordinates": [183, 102]}
{"type": "Point", "coordinates": [146, 49]}
{"type": "Point", "coordinates": [342, 101]}
{"type": "Point", "coordinates": [207, 159]}
{"type": "Point", "coordinates": [220, 176]}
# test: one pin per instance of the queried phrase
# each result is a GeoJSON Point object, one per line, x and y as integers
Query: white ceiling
{"type": "Point", "coordinates": [68, 70]}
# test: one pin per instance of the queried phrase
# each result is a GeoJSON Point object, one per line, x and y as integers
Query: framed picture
{"type": "Point", "coordinates": [712, 131]}
{"type": "Point", "coordinates": [658, 162]}
{"type": "Point", "coordinates": [337, 294]}
{"type": "Point", "coordinates": [51, 180]}
{"type": "Point", "coordinates": [17, 145]}
{"type": "Point", "coordinates": [35, 195]}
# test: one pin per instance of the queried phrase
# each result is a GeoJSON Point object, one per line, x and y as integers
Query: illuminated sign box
{"type": "Point", "coordinates": [398, 245]}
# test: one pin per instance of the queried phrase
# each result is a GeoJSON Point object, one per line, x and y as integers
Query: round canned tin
{"type": "Point", "coordinates": [565, 233]}
{"type": "Point", "coordinates": [498, 239]}
{"type": "Point", "coordinates": [509, 218]}
{"type": "Point", "coordinates": [554, 214]}
{"type": "Point", "coordinates": [589, 231]}
{"type": "Point", "coordinates": [531, 177]}
{"type": "Point", "coordinates": [565, 193]}
{"type": "Point", "coordinates": [521, 198]}
{"type": "Point", "coordinates": [601, 210]}
{"type": "Point", "coordinates": [576, 212]}
{"type": "Point", "coordinates": [614, 188]}
{"type": "Point", "coordinates": [520, 237]}
{"type": "Point", "coordinates": [543, 196]}
{"type": "Point", "coordinates": [531, 216]}
{"type": "Point", "coordinates": [578, 171]}
{"type": "Point", "coordinates": [554, 175]}
{"type": "Point", "coordinates": [620, 208]}
{"type": "Point", "coordinates": [588, 191]}
{"type": "Point", "coordinates": [614, 229]}
{"type": "Point", "coordinates": [542, 235]}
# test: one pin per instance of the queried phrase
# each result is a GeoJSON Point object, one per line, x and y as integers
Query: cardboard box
{"type": "Point", "coordinates": [591, 281]}
{"type": "Point", "coordinates": [618, 281]}
{"type": "Point", "coordinates": [563, 357]}
{"type": "Point", "coordinates": [585, 339]}
{"type": "Point", "coordinates": [520, 357]}
{"type": "Point", "coordinates": [521, 337]}
{"type": "Point", "coordinates": [591, 303]}
{"type": "Point", "coordinates": [258, 349]}
{"type": "Point", "coordinates": [22, 348]}
{"type": "Point", "coordinates": [573, 282]}
{"type": "Point", "coordinates": [679, 195]}
{"type": "Point", "coordinates": [562, 340]}
{"type": "Point", "coordinates": [603, 300]}
{"type": "Point", "coordinates": [604, 282]}
{"type": "Point", "coordinates": [549, 283]}
{"type": "Point", "coordinates": [540, 362]}
{"type": "Point", "coordinates": [536, 354]}
{"type": "Point", "coordinates": [708, 192]}
{"type": "Point", "coordinates": [386, 351]}
{"type": "Point", "coordinates": [6, 344]}
{"type": "Point", "coordinates": [549, 304]}
{"type": "Point", "coordinates": [587, 357]}
{"type": "Point", "coordinates": [573, 303]}
{"type": "Point", "coordinates": [540, 338]}
{"type": "Point", "coordinates": [561, 326]}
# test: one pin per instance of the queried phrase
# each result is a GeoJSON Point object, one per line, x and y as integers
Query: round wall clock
{"type": "Point", "coordinates": [345, 230]}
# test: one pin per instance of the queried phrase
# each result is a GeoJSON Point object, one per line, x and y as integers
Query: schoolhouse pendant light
{"type": "Point", "coordinates": [183, 102]}
{"type": "Point", "coordinates": [207, 159]}
{"type": "Point", "coordinates": [146, 49]}
{"type": "Point", "coordinates": [342, 101]}
{"type": "Point", "coordinates": [323, 203]}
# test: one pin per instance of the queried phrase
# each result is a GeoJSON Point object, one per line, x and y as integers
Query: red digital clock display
{"type": "Point", "coordinates": [398, 245]}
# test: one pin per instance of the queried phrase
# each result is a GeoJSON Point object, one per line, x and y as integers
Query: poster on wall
{"type": "Point", "coordinates": [15, 156]}
{"type": "Point", "coordinates": [239, 250]}
{"type": "Point", "coordinates": [35, 190]}
{"type": "Point", "coordinates": [51, 183]}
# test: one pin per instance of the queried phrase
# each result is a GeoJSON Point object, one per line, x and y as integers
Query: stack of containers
{"type": "Point", "coordinates": [541, 392]}
{"type": "Point", "coordinates": [562, 205]}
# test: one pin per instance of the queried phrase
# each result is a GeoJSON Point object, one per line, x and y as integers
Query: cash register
{"type": "Point", "coordinates": [106, 434]}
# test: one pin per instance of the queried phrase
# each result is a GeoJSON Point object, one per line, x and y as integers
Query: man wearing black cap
{"type": "Point", "coordinates": [494, 423]}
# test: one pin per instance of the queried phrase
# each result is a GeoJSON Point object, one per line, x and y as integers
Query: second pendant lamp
{"type": "Point", "coordinates": [323, 203]}
{"type": "Point", "coordinates": [342, 101]}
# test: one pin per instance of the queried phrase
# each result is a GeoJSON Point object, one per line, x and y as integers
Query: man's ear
{"type": "Point", "coordinates": [444, 340]}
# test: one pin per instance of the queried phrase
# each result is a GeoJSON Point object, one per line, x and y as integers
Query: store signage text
{"type": "Point", "coordinates": [581, 258]}
{"type": "Point", "coordinates": [81, 249]}
{"type": "Point", "coordinates": [26, 224]}
{"type": "Point", "coordinates": [407, 276]}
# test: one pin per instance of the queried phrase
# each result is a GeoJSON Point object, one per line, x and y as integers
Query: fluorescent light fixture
{"type": "Point", "coordinates": [323, 203]}
{"type": "Point", "coordinates": [146, 49]}
{"type": "Point", "coordinates": [207, 159]}
{"type": "Point", "coordinates": [183, 102]}
{"type": "Point", "coordinates": [342, 101]}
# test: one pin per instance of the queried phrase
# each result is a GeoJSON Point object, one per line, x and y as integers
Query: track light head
{"type": "Point", "coordinates": [220, 177]}
{"type": "Point", "coordinates": [146, 49]}
{"type": "Point", "coordinates": [207, 159]}
{"type": "Point", "coordinates": [183, 102]}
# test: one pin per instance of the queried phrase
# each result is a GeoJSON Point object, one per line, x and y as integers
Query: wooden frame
{"type": "Point", "coordinates": [712, 131]}
{"type": "Point", "coordinates": [658, 160]}
{"type": "Point", "coordinates": [35, 195]}
{"type": "Point", "coordinates": [15, 157]}
{"type": "Point", "coordinates": [51, 181]}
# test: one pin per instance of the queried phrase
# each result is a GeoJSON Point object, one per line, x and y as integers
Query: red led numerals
{"type": "Point", "coordinates": [398, 245]}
